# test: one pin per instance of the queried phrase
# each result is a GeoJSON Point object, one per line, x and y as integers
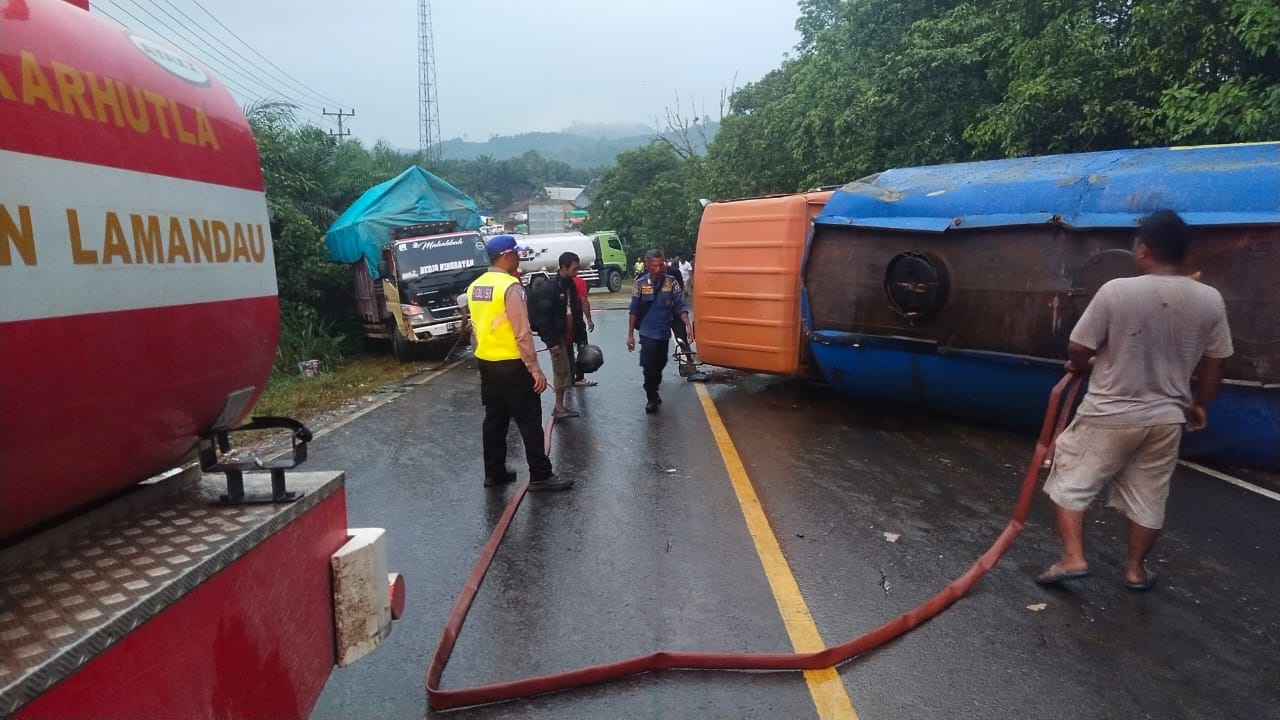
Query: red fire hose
{"type": "Point", "coordinates": [1061, 401]}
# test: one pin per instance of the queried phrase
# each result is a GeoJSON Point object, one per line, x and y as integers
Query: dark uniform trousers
{"type": "Point", "coordinates": [506, 389]}
{"type": "Point", "coordinates": [653, 358]}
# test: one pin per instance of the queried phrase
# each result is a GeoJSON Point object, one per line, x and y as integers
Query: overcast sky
{"type": "Point", "coordinates": [502, 66]}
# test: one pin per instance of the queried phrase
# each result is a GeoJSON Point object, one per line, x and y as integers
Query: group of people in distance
{"type": "Point", "coordinates": [504, 321]}
{"type": "Point", "coordinates": [680, 267]}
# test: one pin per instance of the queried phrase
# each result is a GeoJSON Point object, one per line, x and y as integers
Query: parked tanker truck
{"type": "Point", "coordinates": [147, 570]}
{"type": "Point", "coordinates": [600, 255]}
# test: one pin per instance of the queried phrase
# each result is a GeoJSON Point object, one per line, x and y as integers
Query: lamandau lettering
{"type": "Point", "coordinates": [114, 237]}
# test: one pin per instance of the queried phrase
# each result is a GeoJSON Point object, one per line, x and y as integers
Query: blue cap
{"type": "Point", "coordinates": [499, 244]}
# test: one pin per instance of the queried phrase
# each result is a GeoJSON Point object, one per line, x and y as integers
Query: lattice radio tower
{"type": "Point", "coordinates": [428, 102]}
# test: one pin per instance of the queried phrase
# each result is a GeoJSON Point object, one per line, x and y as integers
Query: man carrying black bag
{"type": "Point", "coordinates": [558, 321]}
{"type": "Point", "coordinates": [580, 334]}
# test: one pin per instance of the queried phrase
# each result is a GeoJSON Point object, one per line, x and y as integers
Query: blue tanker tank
{"type": "Point", "coordinates": [953, 288]}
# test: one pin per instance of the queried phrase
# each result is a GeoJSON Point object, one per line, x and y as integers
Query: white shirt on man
{"type": "Point", "coordinates": [1148, 334]}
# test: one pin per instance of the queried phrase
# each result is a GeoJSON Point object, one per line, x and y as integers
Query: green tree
{"type": "Point", "coordinates": [881, 83]}
{"type": "Point", "coordinates": [1069, 83]}
{"type": "Point", "coordinates": [752, 155]}
{"type": "Point", "coordinates": [298, 169]}
{"type": "Point", "coordinates": [496, 184]}
{"type": "Point", "coordinates": [1091, 75]}
{"type": "Point", "coordinates": [650, 199]}
{"type": "Point", "coordinates": [1216, 68]}
{"type": "Point", "coordinates": [874, 84]}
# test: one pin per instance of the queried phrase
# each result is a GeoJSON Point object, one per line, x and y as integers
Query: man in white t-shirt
{"type": "Point", "coordinates": [686, 272]}
{"type": "Point", "coordinates": [1145, 338]}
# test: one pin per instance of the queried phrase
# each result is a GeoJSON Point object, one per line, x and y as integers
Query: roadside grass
{"type": "Point", "coordinates": [306, 398]}
{"type": "Point", "coordinates": [298, 396]}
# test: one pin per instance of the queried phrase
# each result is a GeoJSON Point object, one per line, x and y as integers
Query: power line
{"type": "Point", "coordinates": [225, 68]}
{"type": "Point", "coordinates": [294, 85]}
{"type": "Point", "coordinates": [231, 65]}
{"type": "Point", "coordinates": [98, 8]}
{"type": "Point", "coordinates": [264, 58]}
{"type": "Point", "coordinates": [186, 36]}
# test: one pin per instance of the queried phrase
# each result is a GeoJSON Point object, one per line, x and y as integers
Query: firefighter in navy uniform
{"type": "Point", "coordinates": [510, 379]}
{"type": "Point", "coordinates": [656, 301]}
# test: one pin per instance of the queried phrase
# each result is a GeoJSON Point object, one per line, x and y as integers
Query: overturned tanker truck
{"type": "Point", "coordinates": [953, 288]}
{"type": "Point", "coordinates": [145, 570]}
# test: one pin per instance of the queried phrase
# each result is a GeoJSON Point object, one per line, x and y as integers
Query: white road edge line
{"type": "Point", "coordinates": [1233, 480]}
{"type": "Point", "coordinates": [365, 411]}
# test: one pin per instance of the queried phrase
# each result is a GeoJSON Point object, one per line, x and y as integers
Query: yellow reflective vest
{"type": "Point", "coordinates": [487, 301]}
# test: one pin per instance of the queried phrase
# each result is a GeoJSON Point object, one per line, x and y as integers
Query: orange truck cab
{"type": "Point", "coordinates": [746, 282]}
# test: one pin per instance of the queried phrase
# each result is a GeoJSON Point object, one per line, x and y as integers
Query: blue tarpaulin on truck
{"type": "Point", "coordinates": [1212, 185]}
{"type": "Point", "coordinates": [414, 196]}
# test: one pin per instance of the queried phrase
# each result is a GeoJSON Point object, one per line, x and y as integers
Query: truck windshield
{"type": "Point", "coordinates": [420, 257]}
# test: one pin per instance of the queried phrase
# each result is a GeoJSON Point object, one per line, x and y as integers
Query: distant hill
{"type": "Point", "coordinates": [612, 131]}
{"type": "Point", "coordinates": [582, 145]}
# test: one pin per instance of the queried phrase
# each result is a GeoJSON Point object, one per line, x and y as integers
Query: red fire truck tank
{"type": "Point", "coordinates": [137, 287]}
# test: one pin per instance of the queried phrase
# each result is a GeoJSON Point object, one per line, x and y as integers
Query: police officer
{"type": "Point", "coordinates": [656, 300]}
{"type": "Point", "coordinates": [510, 379]}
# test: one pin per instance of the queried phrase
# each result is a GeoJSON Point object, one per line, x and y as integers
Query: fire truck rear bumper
{"type": "Point", "coordinates": [171, 598]}
{"type": "Point", "coordinates": [366, 598]}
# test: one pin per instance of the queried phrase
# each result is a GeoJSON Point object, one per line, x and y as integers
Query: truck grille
{"type": "Point", "coordinates": [440, 306]}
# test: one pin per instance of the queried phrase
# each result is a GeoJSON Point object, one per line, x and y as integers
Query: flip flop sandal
{"type": "Point", "coordinates": [1145, 585]}
{"type": "Point", "coordinates": [1056, 575]}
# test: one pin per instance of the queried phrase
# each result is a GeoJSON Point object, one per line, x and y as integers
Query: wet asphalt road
{"type": "Point", "coordinates": [650, 551]}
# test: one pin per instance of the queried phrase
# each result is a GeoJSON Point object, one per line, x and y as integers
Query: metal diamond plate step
{"type": "Point", "coordinates": [67, 595]}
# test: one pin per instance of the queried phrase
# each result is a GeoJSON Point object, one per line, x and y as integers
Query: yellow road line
{"type": "Point", "coordinates": [825, 686]}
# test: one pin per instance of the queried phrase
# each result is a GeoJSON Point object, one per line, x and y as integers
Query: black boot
{"type": "Point", "coordinates": [508, 476]}
{"type": "Point", "coordinates": [550, 482]}
{"type": "Point", "coordinates": [654, 402]}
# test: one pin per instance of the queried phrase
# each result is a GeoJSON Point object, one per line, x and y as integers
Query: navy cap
{"type": "Point", "coordinates": [499, 244]}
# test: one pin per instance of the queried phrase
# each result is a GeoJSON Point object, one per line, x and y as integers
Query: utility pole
{"type": "Point", "coordinates": [340, 115]}
{"type": "Point", "coordinates": [428, 104]}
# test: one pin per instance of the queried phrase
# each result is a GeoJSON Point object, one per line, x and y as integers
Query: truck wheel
{"type": "Point", "coordinates": [615, 281]}
{"type": "Point", "coordinates": [400, 345]}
